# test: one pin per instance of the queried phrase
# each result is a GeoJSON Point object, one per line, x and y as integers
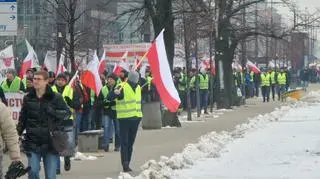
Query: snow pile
{"type": "Point", "coordinates": [81, 156]}
{"type": "Point", "coordinates": [209, 146]}
{"type": "Point", "coordinates": [313, 96]}
{"type": "Point", "coordinates": [215, 114]}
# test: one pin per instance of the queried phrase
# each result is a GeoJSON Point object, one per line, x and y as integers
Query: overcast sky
{"type": "Point", "coordinates": [312, 4]}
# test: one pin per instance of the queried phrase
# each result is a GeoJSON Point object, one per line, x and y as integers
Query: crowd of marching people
{"type": "Point", "coordinates": [270, 83]}
{"type": "Point", "coordinates": [61, 102]}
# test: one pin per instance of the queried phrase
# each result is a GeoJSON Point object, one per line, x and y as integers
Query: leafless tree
{"type": "Point", "coordinates": [225, 20]}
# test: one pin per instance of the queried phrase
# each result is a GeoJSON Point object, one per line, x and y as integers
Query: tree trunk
{"type": "Point", "coordinates": [165, 20]}
{"type": "Point", "coordinates": [71, 48]}
{"type": "Point", "coordinates": [72, 34]}
{"type": "Point", "coordinates": [228, 78]}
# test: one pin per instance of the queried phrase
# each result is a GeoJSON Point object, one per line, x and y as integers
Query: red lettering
{"type": "Point", "coordinates": [18, 102]}
{"type": "Point", "coordinates": [15, 115]}
{"type": "Point", "coordinates": [11, 102]}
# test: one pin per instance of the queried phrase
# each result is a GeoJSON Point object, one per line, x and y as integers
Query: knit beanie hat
{"type": "Point", "coordinates": [133, 77]}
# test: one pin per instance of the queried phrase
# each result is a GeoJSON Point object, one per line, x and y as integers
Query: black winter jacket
{"type": "Point", "coordinates": [34, 116]}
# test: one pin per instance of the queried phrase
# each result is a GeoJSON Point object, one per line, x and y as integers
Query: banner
{"type": "Point", "coordinates": [114, 52]}
{"type": "Point", "coordinates": [7, 58]}
{"type": "Point", "coordinates": [14, 104]}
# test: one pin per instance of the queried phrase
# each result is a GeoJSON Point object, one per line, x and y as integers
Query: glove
{"type": "Point", "coordinates": [68, 101]}
{"type": "Point", "coordinates": [15, 170]}
{"type": "Point", "coordinates": [108, 103]}
{"type": "Point", "coordinates": [117, 91]}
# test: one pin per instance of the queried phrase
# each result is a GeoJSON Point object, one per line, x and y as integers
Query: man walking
{"type": "Point", "coordinates": [129, 114]}
{"type": "Point", "coordinates": [282, 81]}
{"type": "Point", "coordinates": [109, 115]}
{"type": "Point", "coordinates": [73, 102]}
{"type": "Point", "coordinates": [273, 81]}
{"type": "Point", "coordinates": [204, 89]}
{"type": "Point", "coordinates": [40, 107]}
{"type": "Point", "coordinates": [265, 85]}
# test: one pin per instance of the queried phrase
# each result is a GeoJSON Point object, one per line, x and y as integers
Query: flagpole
{"type": "Point", "coordinates": [140, 61]}
{"type": "Point", "coordinates": [134, 69]}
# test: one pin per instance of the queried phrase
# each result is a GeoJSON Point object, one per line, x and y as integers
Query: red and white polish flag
{"type": "Point", "coordinates": [30, 61]}
{"type": "Point", "coordinates": [162, 77]}
{"type": "Point", "coordinates": [91, 77]}
{"type": "Point", "coordinates": [253, 67]}
{"type": "Point", "coordinates": [122, 65]}
{"type": "Point", "coordinates": [102, 63]}
{"type": "Point", "coordinates": [61, 67]}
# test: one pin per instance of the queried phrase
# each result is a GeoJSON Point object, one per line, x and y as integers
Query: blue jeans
{"type": "Point", "coordinates": [110, 126]}
{"type": "Point", "coordinates": [193, 99]}
{"type": "Point", "coordinates": [78, 123]}
{"type": "Point", "coordinates": [91, 119]}
{"type": "Point", "coordinates": [85, 120]}
{"type": "Point", "coordinates": [49, 162]}
{"type": "Point", "coordinates": [128, 132]}
{"type": "Point", "coordinates": [204, 99]}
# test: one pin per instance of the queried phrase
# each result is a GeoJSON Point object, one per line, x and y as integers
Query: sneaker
{"type": "Point", "coordinates": [67, 165]}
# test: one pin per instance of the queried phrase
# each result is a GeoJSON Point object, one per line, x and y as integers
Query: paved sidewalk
{"type": "Point", "coordinates": [151, 144]}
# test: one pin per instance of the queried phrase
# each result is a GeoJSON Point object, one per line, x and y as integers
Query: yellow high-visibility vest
{"type": "Point", "coordinates": [130, 105]}
{"type": "Point", "coordinates": [67, 92]}
{"type": "Point", "coordinates": [282, 78]}
{"type": "Point", "coordinates": [265, 79]}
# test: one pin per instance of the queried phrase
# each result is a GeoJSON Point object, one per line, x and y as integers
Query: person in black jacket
{"type": "Point", "coordinates": [3, 97]}
{"type": "Point", "coordinates": [40, 106]}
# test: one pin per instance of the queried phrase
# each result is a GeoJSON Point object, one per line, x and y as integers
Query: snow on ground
{"type": "Point", "coordinates": [81, 156]}
{"type": "Point", "coordinates": [282, 144]}
{"type": "Point", "coordinates": [215, 114]}
{"type": "Point", "coordinates": [285, 149]}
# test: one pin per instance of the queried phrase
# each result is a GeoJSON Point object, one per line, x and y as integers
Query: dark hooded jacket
{"type": "Point", "coordinates": [35, 115]}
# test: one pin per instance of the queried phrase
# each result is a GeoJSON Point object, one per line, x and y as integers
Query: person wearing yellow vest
{"type": "Point", "coordinates": [282, 81]}
{"type": "Point", "coordinates": [182, 82]}
{"type": "Point", "coordinates": [204, 89]}
{"type": "Point", "coordinates": [12, 84]}
{"type": "Point", "coordinates": [265, 85]}
{"type": "Point", "coordinates": [273, 85]}
{"type": "Point", "coordinates": [192, 86]}
{"type": "Point", "coordinates": [72, 100]}
{"type": "Point", "coordinates": [109, 115]}
{"type": "Point", "coordinates": [148, 89]}
{"type": "Point", "coordinates": [129, 114]}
